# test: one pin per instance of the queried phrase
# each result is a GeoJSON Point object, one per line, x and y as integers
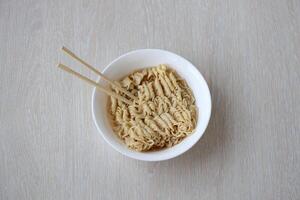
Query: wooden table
{"type": "Point", "coordinates": [248, 51]}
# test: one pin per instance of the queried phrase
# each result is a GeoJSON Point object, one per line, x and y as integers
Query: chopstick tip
{"type": "Point", "coordinates": [59, 65]}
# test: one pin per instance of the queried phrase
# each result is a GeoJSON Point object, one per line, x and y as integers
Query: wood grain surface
{"type": "Point", "coordinates": [248, 51]}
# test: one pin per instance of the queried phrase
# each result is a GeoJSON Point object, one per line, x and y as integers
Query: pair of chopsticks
{"type": "Point", "coordinates": [84, 78]}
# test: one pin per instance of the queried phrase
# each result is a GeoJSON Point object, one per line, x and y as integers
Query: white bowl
{"type": "Point", "coordinates": [142, 58]}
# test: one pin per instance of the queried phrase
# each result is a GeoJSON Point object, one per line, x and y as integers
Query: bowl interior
{"type": "Point", "coordinates": [138, 59]}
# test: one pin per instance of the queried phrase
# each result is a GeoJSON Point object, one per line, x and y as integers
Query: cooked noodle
{"type": "Point", "coordinates": [164, 114]}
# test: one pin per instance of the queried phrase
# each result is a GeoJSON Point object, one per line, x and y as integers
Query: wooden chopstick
{"type": "Point", "coordinates": [108, 92]}
{"type": "Point", "coordinates": [73, 55]}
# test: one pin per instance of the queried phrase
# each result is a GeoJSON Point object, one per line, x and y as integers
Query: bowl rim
{"type": "Point", "coordinates": [167, 157]}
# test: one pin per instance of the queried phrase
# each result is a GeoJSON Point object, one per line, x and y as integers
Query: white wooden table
{"type": "Point", "coordinates": [248, 51]}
